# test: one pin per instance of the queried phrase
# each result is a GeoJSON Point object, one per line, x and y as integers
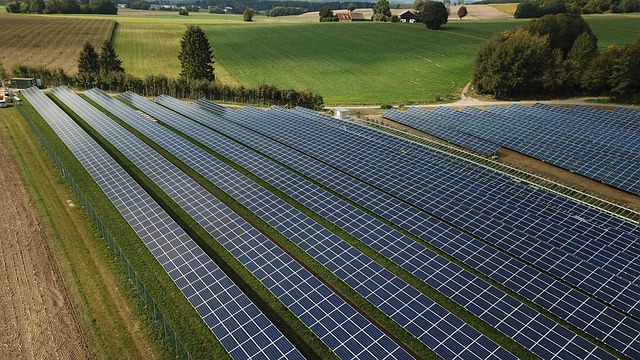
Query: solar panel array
{"type": "Point", "coordinates": [467, 141]}
{"type": "Point", "coordinates": [602, 145]}
{"type": "Point", "coordinates": [243, 330]}
{"type": "Point", "coordinates": [440, 330]}
{"type": "Point", "coordinates": [540, 288]}
{"type": "Point", "coordinates": [419, 182]}
{"type": "Point", "coordinates": [507, 314]}
{"type": "Point", "coordinates": [571, 260]}
{"type": "Point", "coordinates": [345, 331]}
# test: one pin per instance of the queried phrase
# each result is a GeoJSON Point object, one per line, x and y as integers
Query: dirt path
{"type": "Point", "coordinates": [36, 317]}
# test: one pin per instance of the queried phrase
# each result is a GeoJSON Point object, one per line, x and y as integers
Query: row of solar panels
{"type": "Point", "coordinates": [381, 218]}
{"type": "Point", "coordinates": [602, 145]}
{"type": "Point", "coordinates": [292, 130]}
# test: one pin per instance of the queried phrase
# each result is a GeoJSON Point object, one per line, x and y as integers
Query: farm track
{"type": "Point", "coordinates": [36, 316]}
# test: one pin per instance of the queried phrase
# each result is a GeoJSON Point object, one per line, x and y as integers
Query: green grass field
{"type": "Point", "coordinates": [347, 63]}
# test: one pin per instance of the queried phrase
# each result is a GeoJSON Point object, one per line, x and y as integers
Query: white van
{"type": "Point", "coordinates": [3, 103]}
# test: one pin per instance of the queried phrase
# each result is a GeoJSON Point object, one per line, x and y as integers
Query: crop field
{"type": "Point", "coordinates": [50, 41]}
{"type": "Point", "coordinates": [346, 63]}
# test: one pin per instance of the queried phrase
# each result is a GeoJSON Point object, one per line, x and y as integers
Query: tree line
{"type": "Point", "coordinates": [62, 7]}
{"type": "Point", "coordinates": [538, 8]}
{"type": "Point", "coordinates": [556, 55]}
{"type": "Point", "coordinates": [239, 5]}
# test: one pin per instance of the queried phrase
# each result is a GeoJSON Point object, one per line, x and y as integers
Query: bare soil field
{"type": "Point", "coordinates": [36, 317]}
{"type": "Point", "coordinates": [478, 12]}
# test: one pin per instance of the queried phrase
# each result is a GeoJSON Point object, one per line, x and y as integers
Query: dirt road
{"type": "Point", "coordinates": [36, 318]}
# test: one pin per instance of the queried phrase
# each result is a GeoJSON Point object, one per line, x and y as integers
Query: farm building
{"type": "Point", "coordinates": [22, 83]}
{"type": "Point", "coordinates": [407, 16]}
{"type": "Point", "coordinates": [358, 16]}
{"type": "Point", "coordinates": [344, 16]}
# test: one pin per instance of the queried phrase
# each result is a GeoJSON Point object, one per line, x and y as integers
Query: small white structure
{"type": "Point", "coordinates": [342, 113]}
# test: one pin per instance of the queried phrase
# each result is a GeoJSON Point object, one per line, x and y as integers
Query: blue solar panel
{"type": "Point", "coordinates": [390, 294]}
{"type": "Point", "coordinates": [466, 289]}
{"type": "Point", "coordinates": [415, 222]}
{"type": "Point", "coordinates": [438, 129]}
{"type": "Point", "coordinates": [431, 192]}
{"type": "Point", "coordinates": [296, 287]}
{"type": "Point", "coordinates": [220, 303]}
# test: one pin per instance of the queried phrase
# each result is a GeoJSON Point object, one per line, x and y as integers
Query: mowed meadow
{"type": "Point", "coordinates": [346, 63]}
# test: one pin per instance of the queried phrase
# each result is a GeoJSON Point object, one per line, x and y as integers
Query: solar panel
{"type": "Point", "coordinates": [224, 308]}
{"type": "Point", "coordinates": [542, 290]}
{"type": "Point", "coordinates": [324, 312]}
{"type": "Point", "coordinates": [433, 194]}
{"type": "Point", "coordinates": [420, 316]}
{"type": "Point", "coordinates": [476, 295]}
{"type": "Point", "coordinates": [262, 123]}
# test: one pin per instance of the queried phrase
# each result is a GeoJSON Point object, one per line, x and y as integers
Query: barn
{"type": "Point", "coordinates": [344, 16]}
{"type": "Point", "coordinates": [407, 16]}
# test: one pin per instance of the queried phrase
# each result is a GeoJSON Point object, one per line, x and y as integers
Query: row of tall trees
{"type": "Point", "coordinates": [62, 7]}
{"type": "Point", "coordinates": [257, 5]}
{"type": "Point", "coordinates": [538, 8]}
{"type": "Point", "coordinates": [556, 55]}
{"type": "Point", "coordinates": [93, 66]}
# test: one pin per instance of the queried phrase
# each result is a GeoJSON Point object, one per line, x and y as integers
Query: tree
{"type": "Point", "coordinates": [13, 7]}
{"type": "Point", "coordinates": [625, 74]}
{"type": "Point", "coordinates": [326, 14]}
{"type": "Point", "coordinates": [183, 12]}
{"type": "Point", "coordinates": [196, 56]}
{"type": "Point", "coordinates": [103, 7]}
{"type": "Point", "coordinates": [140, 5]}
{"type": "Point", "coordinates": [628, 6]}
{"type": "Point", "coordinates": [88, 65]}
{"type": "Point", "coordinates": [582, 52]}
{"type": "Point", "coordinates": [596, 77]}
{"type": "Point", "coordinates": [432, 13]}
{"type": "Point", "coordinates": [351, 7]}
{"type": "Point", "coordinates": [563, 30]}
{"type": "Point", "coordinates": [247, 14]}
{"type": "Point", "coordinates": [512, 64]}
{"type": "Point", "coordinates": [549, 7]}
{"type": "Point", "coordinates": [62, 7]}
{"type": "Point", "coordinates": [109, 60]}
{"type": "Point", "coordinates": [382, 7]}
{"type": "Point", "coordinates": [462, 12]}
{"type": "Point", "coordinates": [527, 10]}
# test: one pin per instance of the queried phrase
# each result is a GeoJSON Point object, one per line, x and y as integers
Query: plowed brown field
{"type": "Point", "coordinates": [36, 317]}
